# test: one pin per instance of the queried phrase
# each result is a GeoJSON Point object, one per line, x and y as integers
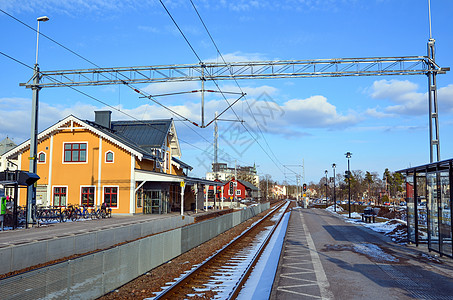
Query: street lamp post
{"type": "Point", "coordinates": [348, 156]}
{"type": "Point", "coordinates": [31, 192]}
{"type": "Point", "coordinates": [327, 203]}
{"type": "Point", "coordinates": [334, 196]}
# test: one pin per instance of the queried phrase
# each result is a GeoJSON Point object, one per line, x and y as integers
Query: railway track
{"type": "Point", "coordinates": [223, 274]}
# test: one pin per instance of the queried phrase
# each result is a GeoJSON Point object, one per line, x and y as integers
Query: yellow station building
{"type": "Point", "coordinates": [133, 166]}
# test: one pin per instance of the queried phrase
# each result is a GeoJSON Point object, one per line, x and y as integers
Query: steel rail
{"type": "Point", "coordinates": [184, 279]}
{"type": "Point", "coordinates": [238, 286]}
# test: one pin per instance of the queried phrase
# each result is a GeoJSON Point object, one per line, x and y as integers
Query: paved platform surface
{"type": "Point", "coordinates": [325, 257]}
{"type": "Point", "coordinates": [22, 236]}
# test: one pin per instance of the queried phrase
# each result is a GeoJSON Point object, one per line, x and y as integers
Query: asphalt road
{"type": "Point", "coordinates": [325, 257]}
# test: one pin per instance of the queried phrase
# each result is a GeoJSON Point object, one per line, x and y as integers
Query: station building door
{"type": "Point", "coordinates": [155, 202]}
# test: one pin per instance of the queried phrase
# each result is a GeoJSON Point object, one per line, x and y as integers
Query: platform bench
{"type": "Point", "coordinates": [367, 218]}
{"type": "Point", "coordinates": [369, 214]}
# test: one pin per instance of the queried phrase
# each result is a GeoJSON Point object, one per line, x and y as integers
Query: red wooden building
{"type": "Point", "coordinates": [242, 189]}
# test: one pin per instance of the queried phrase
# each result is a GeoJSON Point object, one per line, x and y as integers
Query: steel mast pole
{"type": "Point", "coordinates": [334, 196]}
{"type": "Point", "coordinates": [327, 202]}
{"type": "Point", "coordinates": [202, 94]}
{"type": "Point", "coordinates": [434, 139]}
{"type": "Point", "coordinates": [348, 156]}
{"type": "Point", "coordinates": [31, 190]}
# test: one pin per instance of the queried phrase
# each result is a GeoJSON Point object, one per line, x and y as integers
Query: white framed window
{"type": "Point", "coordinates": [109, 157]}
{"type": "Point", "coordinates": [111, 196]}
{"type": "Point", "coordinates": [88, 195]}
{"type": "Point", "coordinates": [75, 152]}
{"type": "Point", "coordinates": [60, 196]}
{"type": "Point", "coordinates": [238, 192]}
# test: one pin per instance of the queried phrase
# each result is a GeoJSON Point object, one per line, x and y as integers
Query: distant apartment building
{"type": "Point", "coordinates": [222, 172]}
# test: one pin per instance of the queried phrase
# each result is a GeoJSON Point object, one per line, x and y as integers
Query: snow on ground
{"type": "Point", "coordinates": [332, 208]}
{"type": "Point", "coordinates": [259, 283]}
{"type": "Point", "coordinates": [374, 251]}
{"type": "Point", "coordinates": [396, 229]}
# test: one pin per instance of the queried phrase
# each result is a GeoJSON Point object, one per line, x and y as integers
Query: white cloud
{"type": "Point", "coordinates": [20, 109]}
{"type": "Point", "coordinates": [72, 7]}
{"type": "Point", "coordinates": [237, 57]}
{"type": "Point", "coordinates": [373, 112]}
{"type": "Point", "coordinates": [316, 112]}
{"type": "Point", "coordinates": [149, 29]}
{"type": "Point", "coordinates": [406, 100]}
{"type": "Point", "coordinates": [393, 89]}
{"type": "Point", "coordinates": [403, 94]}
{"type": "Point", "coordinates": [445, 98]}
{"type": "Point", "coordinates": [250, 91]}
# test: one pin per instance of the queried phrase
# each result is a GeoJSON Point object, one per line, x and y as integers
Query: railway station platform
{"type": "Point", "coordinates": [95, 273]}
{"type": "Point", "coordinates": [324, 257]}
{"type": "Point", "coordinates": [22, 248]}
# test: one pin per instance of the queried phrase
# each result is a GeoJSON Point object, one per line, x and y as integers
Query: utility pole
{"type": "Point", "coordinates": [267, 187]}
{"type": "Point", "coordinates": [297, 188]}
{"type": "Point", "coordinates": [216, 147]}
{"type": "Point", "coordinates": [235, 184]}
{"type": "Point", "coordinates": [215, 165]}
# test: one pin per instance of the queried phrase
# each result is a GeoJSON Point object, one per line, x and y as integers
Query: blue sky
{"type": "Point", "coordinates": [382, 121]}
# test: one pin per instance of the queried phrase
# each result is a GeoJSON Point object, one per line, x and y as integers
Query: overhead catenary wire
{"type": "Point", "coordinates": [199, 59]}
{"type": "Point", "coordinates": [235, 80]}
{"type": "Point", "coordinates": [105, 103]}
{"type": "Point", "coordinates": [195, 53]}
{"type": "Point", "coordinates": [129, 85]}
{"type": "Point", "coordinates": [96, 65]}
{"type": "Point", "coordinates": [91, 62]}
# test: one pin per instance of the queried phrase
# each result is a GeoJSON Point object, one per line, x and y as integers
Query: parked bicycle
{"type": "Point", "coordinates": [70, 213]}
{"type": "Point", "coordinates": [103, 212]}
{"type": "Point", "coordinates": [49, 214]}
{"type": "Point", "coordinates": [107, 211]}
{"type": "Point", "coordinates": [82, 212]}
{"type": "Point", "coordinates": [95, 213]}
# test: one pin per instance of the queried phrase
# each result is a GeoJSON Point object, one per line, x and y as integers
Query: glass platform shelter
{"type": "Point", "coordinates": [429, 205]}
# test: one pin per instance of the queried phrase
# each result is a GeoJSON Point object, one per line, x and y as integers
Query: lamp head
{"type": "Point", "coordinates": [334, 165]}
{"type": "Point", "coordinates": [43, 19]}
{"type": "Point", "coordinates": [348, 154]}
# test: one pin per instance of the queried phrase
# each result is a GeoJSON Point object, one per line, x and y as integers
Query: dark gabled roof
{"type": "Point", "coordinates": [146, 134]}
{"type": "Point", "coordinates": [248, 184]}
{"type": "Point", "coordinates": [122, 139]}
{"type": "Point", "coordinates": [143, 136]}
